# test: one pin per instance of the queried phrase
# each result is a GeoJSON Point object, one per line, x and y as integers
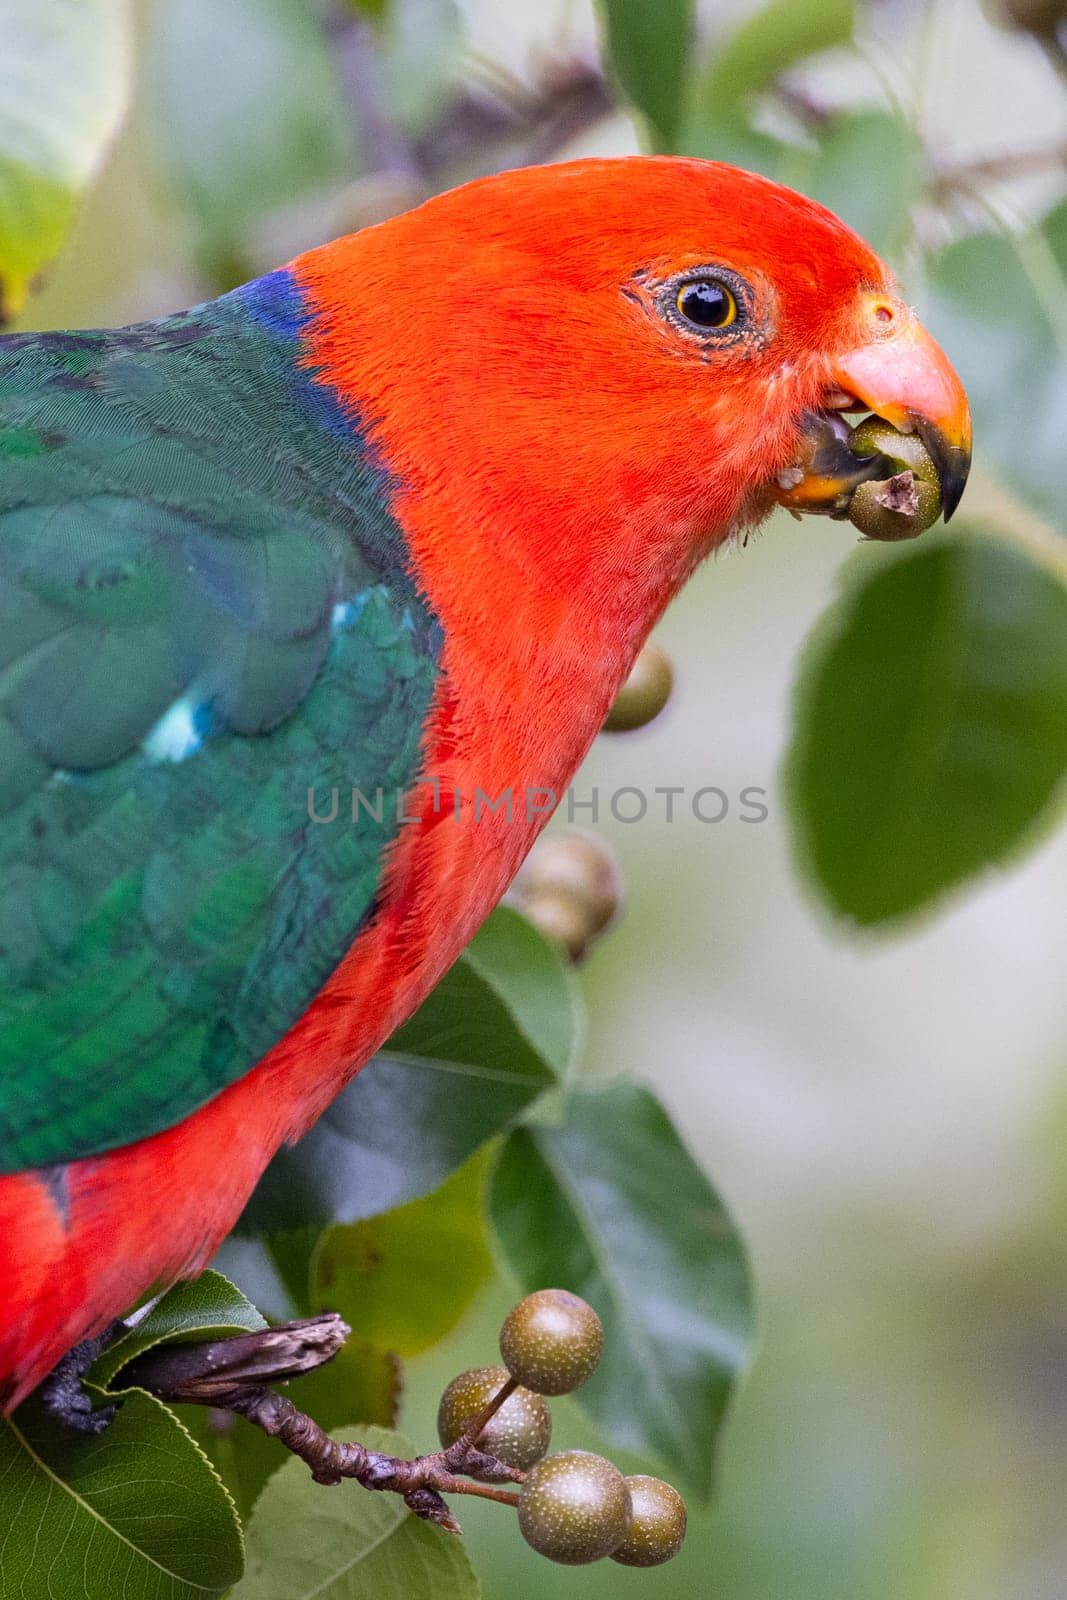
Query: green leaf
{"type": "Point", "coordinates": [648, 49]}
{"type": "Point", "coordinates": [348, 1544]}
{"type": "Point", "coordinates": [64, 82]}
{"type": "Point", "coordinates": [137, 1511]}
{"type": "Point", "coordinates": [611, 1206]}
{"type": "Point", "coordinates": [497, 1031]}
{"type": "Point", "coordinates": [999, 307]}
{"type": "Point", "coordinates": [241, 144]}
{"type": "Point", "coordinates": [931, 726]}
{"type": "Point", "coordinates": [868, 170]}
{"type": "Point", "coordinates": [210, 1307]}
{"type": "Point", "coordinates": [769, 42]}
{"type": "Point", "coordinates": [405, 1278]}
{"type": "Point", "coordinates": [530, 976]}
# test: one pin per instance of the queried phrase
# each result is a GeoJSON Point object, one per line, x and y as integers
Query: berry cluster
{"type": "Point", "coordinates": [573, 1506]}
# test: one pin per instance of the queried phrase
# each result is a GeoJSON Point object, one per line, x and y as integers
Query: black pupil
{"type": "Point", "coordinates": [706, 304]}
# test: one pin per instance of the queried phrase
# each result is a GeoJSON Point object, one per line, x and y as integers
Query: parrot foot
{"type": "Point", "coordinates": [62, 1393]}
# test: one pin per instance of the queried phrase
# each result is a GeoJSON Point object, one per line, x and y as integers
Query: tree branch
{"type": "Point", "coordinates": [234, 1375]}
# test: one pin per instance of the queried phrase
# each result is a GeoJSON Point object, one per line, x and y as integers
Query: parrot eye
{"type": "Point", "coordinates": [706, 303]}
{"type": "Point", "coordinates": [713, 307]}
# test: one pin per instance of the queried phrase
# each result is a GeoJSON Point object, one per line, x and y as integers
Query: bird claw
{"type": "Point", "coordinates": [63, 1395]}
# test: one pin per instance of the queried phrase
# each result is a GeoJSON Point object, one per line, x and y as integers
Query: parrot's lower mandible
{"type": "Point", "coordinates": [397, 517]}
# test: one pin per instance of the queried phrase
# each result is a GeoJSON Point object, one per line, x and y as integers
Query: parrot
{"type": "Point", "coordinates": [393, 519]}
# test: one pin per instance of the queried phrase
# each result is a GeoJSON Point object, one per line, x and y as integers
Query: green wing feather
{"type": "Point", "coordinates": [204, 614]}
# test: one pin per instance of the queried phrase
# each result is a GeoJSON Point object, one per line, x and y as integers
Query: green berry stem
{"type": "Point", "coordinates": [467, 1440]}
{"type": "Point", "coordinates": [449, 1483]}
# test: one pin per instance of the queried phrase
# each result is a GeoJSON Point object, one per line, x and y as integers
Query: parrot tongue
{"type": "Point", "coordinates": [826, 471]}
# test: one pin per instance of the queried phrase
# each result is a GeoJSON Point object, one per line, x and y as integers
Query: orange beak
{"type": "Point", "coordinates": [903, 376]}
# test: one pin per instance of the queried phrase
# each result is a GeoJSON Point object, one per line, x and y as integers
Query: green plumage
{"type": "Point", "coordinates": [204, 613]}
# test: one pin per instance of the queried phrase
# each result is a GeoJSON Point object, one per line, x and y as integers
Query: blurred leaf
{"type": "Point", "coordinates": [375, 9]}
{"type": "Point", "coordinates": [137, 1511]}
{"type": "Point", "coordinates": [498, 1029]}
{"type": "Point", "coordinates": [210, 1307]}
{"type": "Point", "coordinates": [728, 135]}
{"type": "Point", "coordinates": [420, 51]}
{"type": "Point", "coordinates": [769, 42]}
{"type": "Point", "coordinates": [1000, 310]}
{"type": "Point", "coordinates": [240, 144]}
{"type": "Point", "coordinates": [648, 47]}
{"type": "Point", "coordinates": [360, 1383]}
{"type": "Point", "coordinates": [931, 726]}
{"type": "Point", "coordinates": [64, 81]}
{"type": "Point", "coordinates": [868, 170]}
{"type": "Point", "coordinates": [291, 1254]}
{"type": "Point", "coordinates": [346, 1544]}
{"type": "Point", "coordinates": [611, 1206]}
{"type": "Point", "coordinates": [405, 1278]}
{"type": "Point", "coordinates": [766, 44]}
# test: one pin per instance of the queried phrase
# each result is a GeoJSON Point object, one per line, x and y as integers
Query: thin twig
{"type": "Point", "coordinates": [386, 146]}
{"type": "Point", "coordinates": [812, 113]}
{"type": "Point", "coordinates": [1007, 164]}
{"type": "Point", "coordinates": [541, 123]}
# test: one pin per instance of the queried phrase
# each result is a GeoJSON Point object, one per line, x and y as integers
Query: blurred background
{"type": "Point", "coordinates": [885, 1114]}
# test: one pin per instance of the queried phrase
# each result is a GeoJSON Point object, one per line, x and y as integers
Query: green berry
{"type": "Point", "coordinates": [574, 1507]}
{"type": "Point", "coordinates": [905, 451]}
{"type": "Point", "coordinates": [517, 1434]}
{"type": "Point", "coordinates": [907, 500]}
{"type": "Point", "coordinates": [551, 1341]}
{"type": "Point", "coordinates": [577, 864]}
{"type": "Point", "coordinates": [563, 918]}
{"type": "Point", "coordinates": [657, 1523]}
{"type": "Point", "coordinates": [901, 507]}
{"type": "Point", "coordinates": [644, 694]}
{"type": "Point", "coordinates": [570, 888]}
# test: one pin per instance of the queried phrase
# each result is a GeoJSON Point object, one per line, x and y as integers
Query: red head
{"type": "Point", "coordinates": [585, 376]}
